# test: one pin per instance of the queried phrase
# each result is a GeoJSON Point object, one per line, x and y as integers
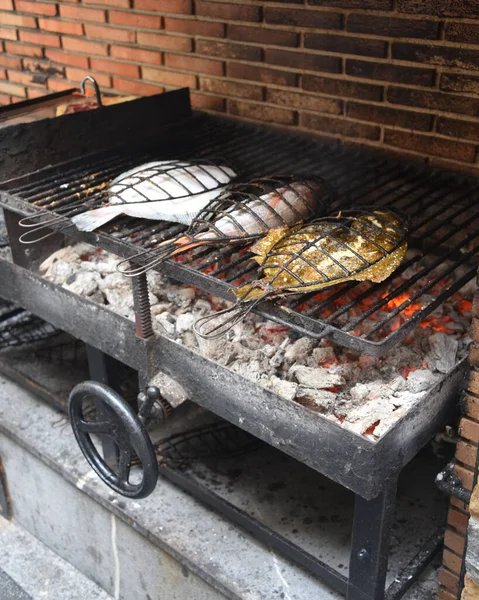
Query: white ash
{"type": "Point", "coordinates": [362, 393]}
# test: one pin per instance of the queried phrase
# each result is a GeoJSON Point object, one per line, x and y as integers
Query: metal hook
{"type": "Point", "coordinates": [237, 313]}
{"type": "Point", "coordinates": [95, 86]}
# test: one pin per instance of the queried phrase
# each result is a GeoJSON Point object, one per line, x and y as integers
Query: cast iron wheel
{"type": "Point", "coordinates": [126, 431]}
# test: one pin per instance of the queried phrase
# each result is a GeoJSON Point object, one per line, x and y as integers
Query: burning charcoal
{"type": "Point", "coordinates": [184, 322]}
{"type": "Point", "coordinates": [359, 392]}
{"type": "Point", "coordinates": [285, 389]}
{"type": "Point", "coordinates": [188, 339]}
{"type": "Point", "coordinates": [397, 384]}
{"type": "Point", "coordinates": [170, 389]}
{"type": "Point", "coordinates": [419, 381]}
{"type": "Point", "coordinates": [318, 399]}
{"type": "Point", "coordinates": [386, 423]}
{"type": "Point", "coordinates": [406, 398]}
{"type": "Point", "coordinates": [300, 350]}
{"type": "Point", "coordinates": [442, 356]}
{"type": "Point", "coordinates": [83, 283]}
{"type": "Point", "coordinates": [160, 307]}
{"type": "Point", "coordinates": [323, 355]}
{"type": "Point", "coordinates": [163, 321]}
{"type": "Point", "coordinates": [316, 378]}
{"type": "Point", "coordinates": [364, 417]}
{"type": "Point", "coordinates": [202, 306]}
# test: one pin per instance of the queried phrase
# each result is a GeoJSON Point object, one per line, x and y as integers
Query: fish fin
{"type": "Point", "coordinates": [92, 219]}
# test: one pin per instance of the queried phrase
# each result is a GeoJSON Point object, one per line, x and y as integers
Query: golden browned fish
{"type": "Point", "coordinates": [368, 247]}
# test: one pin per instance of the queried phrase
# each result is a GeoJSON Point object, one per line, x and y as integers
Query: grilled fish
{"type": "Point", "coordinates": [244, 213]}
{"type": "Point", "coordinates": [163, 190]}
{"type": "Point", "coordinates": [368, 247]}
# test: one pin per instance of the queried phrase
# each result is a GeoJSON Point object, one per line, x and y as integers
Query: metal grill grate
{"type": "Point", "coordinates": [442, 208]}
{"type": "Point", "coordinates": [19, 327]}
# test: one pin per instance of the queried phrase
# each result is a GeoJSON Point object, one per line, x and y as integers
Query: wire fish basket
{"type": "Point", "coordinates": [243, 213]}
{"type": "Point", "coordinates": [173, 189]}
{"type": "Point", "coordinates": [363, 245]}
{"type": "Point", "coordinates": [19, 327]}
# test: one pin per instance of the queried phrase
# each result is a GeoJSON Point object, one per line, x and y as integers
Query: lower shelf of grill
{"type": "Point", "coordinates": [297, 431]}
{"type": "Point", "coordinates": [292, 499]}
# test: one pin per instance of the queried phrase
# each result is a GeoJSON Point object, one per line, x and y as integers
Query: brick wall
{"type": "Point", "coordinates": [403, 74]}
{"type": "Point", "coordinates": [466, 461]}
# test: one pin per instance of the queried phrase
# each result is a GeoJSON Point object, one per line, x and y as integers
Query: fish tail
{"type": "Point", "coordinates": [92, 219]}
{"type": "Point", "coordinates": [248, 291]}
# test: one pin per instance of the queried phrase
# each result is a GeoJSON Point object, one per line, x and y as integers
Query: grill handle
{"type": "Point", "coordinates": [93, 81]}
{"type": "Point", "coordinates": [451, 485]}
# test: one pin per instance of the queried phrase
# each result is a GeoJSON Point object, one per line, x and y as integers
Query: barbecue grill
{"type": "Point", "coordinates": [89, 149]}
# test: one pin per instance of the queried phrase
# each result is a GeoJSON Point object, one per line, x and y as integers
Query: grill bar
{"type": "Point", "coordinates": [443, 237]}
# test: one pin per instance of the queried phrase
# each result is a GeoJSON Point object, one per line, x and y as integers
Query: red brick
{"type": "Point", "coordinates": [463, 33]}
{"type": "Point", "coordinates": [339, 126]}
{"type": "Point", "coordinates": [364, 4]}
{"type": "Point", "coordinates": [262, 74]}
{"type": "Point", "coordinates": [440, 8]}
{"type": "Point", "coordinates": [448, 579]}
{"type": "Point", "coordinates": [195, 27]}
{"type": "Point", "coordinates": [37, 8]}
{"type": "Point", "coordinates": [197, 65]}
{"type": "Point", "coordinates": [85, 46]}
{"type": "Point", "coordinates": [393, 27]}
{"type": "Point", "coordinates": [36, 93]}
{"type": "Point", "coordinates": [228, 12]}
{"type": "Point", "coordinates": [110, 33]}
{"type": "Point", "coordinates": [302, 18]}
{"type": "Point", "coordinates": [388, 115]}
{"type": "Point", "coordinates": [208, 102]}
{"type": "Point", "coordinates": [304, 101]}
{"type": "Point", "coordinates": [131, 19]}
{"type": "Point", "coordinates": [303, 61]}
{"type": "Point", "coordinates": [4, 99]}
{"type": "Point", "coordinates": [441, 55]}
{"type": "Point", "coordinates": [387, 72]}
{"type": "Point", "coordinates": [42, 39]}
{"type": "Point", "coordinates": [166, 42]}
{"type": "Point", "coordinates": [223, 87]}
{"type": "Point", "coordinates": [434, 100]}
{"type": "Point", "coordinates": [465, 474]}
{"type": "Point", "coordinates": [12, 88]}
{"type": "Point", "coordinates": [459, 83]}
{"type": "Point", "coordinates": [26, 78]}
{"type": "Point", "coordinates": [345, 44]}
{"type": "Point", "coordinates": [17, 20]}
{"type": "Point", "coordinates": [169, 77]}
{"type": "Point", "coordinates": [261, 112]}
{"type": "Point", "coordinates": [452, 562]}
{"type": "Point", "coordinates": [113, 67]}
{"type": "Point", "coordinates": [182, 7]}
{"type": "Point", "coordinates": [430, 145]}
{"type": "Point", "coordinates": [466, 130]}
{"type": "Point", "coordinates": [458, 520]}
{"type": "Point", "coordinates": [226, 50]}
{"type": "Point", "coordinates": [469, 430]}
{"type": "Point", "coordinates": [64, 58]}
{"type": "Point", "coordinates": [55, 85]}
{"type": "Point", "coordinates": [454, 541]}
{"type": "Point", "coordinates": [23, 49]}
{"type": "Point", "coordinates": [138, 88]}
{"type": "Point", "coordinates": [137, 55]}
{"type": "Point", "coordinates": [443, 594]}
{"type": "Point", "coordinates": [10, 62]}
{"type": "Point", "coordinates": [42, 67]}
{"type": "Point", "coordinates": [8, 34]}
{"type": "Point", "coordinates": [6, 5]}
{"type": "Point", "coordinates": [339, 87]}
{"type": "Point", "coordinates": [117, 3]}
{"type": "Point", "coordinates": [78, 74]}
{"type": "Point", "coordinates": [273, 37]}
{"type": "Point", "coordinates": [67, 27]}
{"type": "Point", "coordinates": [81, 13]}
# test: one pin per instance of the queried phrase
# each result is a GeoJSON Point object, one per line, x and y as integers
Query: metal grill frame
{"type": "Point", "coordinates": [411, 179]}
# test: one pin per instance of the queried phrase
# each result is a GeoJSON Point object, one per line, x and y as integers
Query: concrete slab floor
{"type": "Point", "coordinates": [297, 502]}
{"type": "Point", "coordinates": [30, 571]}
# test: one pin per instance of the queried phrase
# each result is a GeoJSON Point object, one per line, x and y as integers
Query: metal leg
{"type": "Point", "coordinates": [369, 545]}
{"type": "Point", "coordinates": [104, 369]}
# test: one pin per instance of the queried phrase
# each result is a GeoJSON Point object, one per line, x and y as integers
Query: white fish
{"type": "Point", "coordinates": [162, 190]}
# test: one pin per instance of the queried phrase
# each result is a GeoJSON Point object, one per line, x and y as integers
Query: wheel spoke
{"type": "Point", "coordinates": [124, 464]}
{"type": "Point", "coordinates": [94, 426]}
